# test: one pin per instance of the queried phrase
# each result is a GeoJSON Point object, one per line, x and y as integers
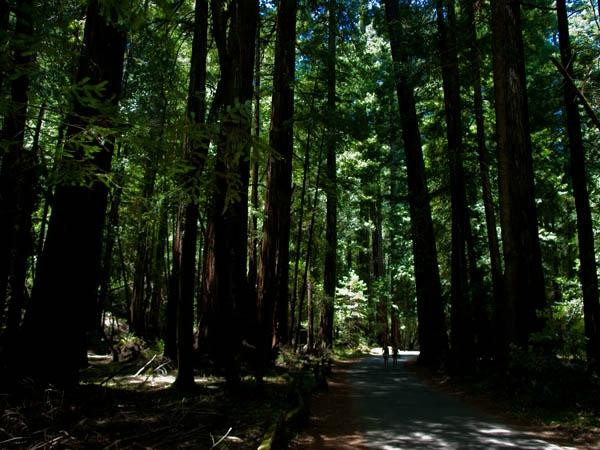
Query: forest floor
{"type": "Point", "coordinates": [399, 407]}
{"type": "Point", "coordinates": [121, 406]}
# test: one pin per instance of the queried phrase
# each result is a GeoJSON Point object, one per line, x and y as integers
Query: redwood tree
{"type": "Point", "coordinates": [524, 278]}
{"type": "Point", "coordinates": [433, 341]}
{"type": "Point", "coordinates": [65, 289]}
{"type": "Point", "coordinates": [226, 294]}
{"type": "Point", "coordinates": [273, 276]}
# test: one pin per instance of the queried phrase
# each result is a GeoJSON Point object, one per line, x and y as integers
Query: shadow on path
{"type": "Point", "coordinates": [370, 406]}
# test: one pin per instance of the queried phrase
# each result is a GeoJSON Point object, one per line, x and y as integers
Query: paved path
{"type": "Point", "coordinates": [392, 409]}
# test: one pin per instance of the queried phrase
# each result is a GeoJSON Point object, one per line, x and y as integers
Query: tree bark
{"type": "Point", "coordinates": [524, 278]}
{"type": "Point", "coordinates": [225, 281]}
{"type": "Point", "coordinates": [65, 289]}
{"type": "Point", "coordinates": [274, 272]}
{"type": "Point", "coordinates": [432, 329]}
{"type": "Point", "coordinates": [585, 233]}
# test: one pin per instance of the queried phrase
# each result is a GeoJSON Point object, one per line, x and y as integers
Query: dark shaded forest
{"type": "Point", "coordinates": [214, 199]}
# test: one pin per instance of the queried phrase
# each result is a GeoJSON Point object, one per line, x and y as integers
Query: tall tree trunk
{"type": "Point", "coordinates": [274, 270]}
{"type": "Point", "coordinates": [305, 168]}
{"type": "Point", "coordinates": [365, 263]}
{"type": "Point", "coordinates": [65, 290]}
{"type": "Point", "coordinates": [187, 226]}
{"type": "Point", "coordinates": [137, 308]}
{"type": "Point", "coordinates": [225, 283]}
{"type": "Point", "coordinates": [309, 245]}
{"type": "Point", "coordinates": [461, 330]}
{"type": "Point", "coordinates": [524, 278]}
{"type": "Point", "coordinates": [432, 329]}
{"type": "Point", "coordinates": [585, 232]}
{"type": "Point", "coordinates": [157, 276]}
{"type": "Point", "coordinates": [253, 255]}
{"type": "Point", "coordinates": [379, 269]}
{"type": "Point", "coordinates": [484, 169]}
{"type": "Point", "coordinates": [395, 224]}
{"type": "Point", "coordinates": [14, 189]}
{"type": "Point", "coordinates": [310, 329]}
{"type": "Point", "coordinates": [112, 224]}
{"type": "Point", "coordinates": [330, 272]}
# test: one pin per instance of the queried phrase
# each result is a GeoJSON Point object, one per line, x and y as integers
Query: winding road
{"type": "Point", "coordinates": [368, 406]}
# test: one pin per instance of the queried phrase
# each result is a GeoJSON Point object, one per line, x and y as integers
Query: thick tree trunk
{"type": "Point", "coordinates": [65, 290]}
{"type": "Point", "coordinates": [585, 232]}
{"type": "Point", "coordinates": [461, 330]}
{"type": "Point", "coordinates": [273, 276]}
{"type": "Point", "coordinates": [432, 329]}
{"type": "Point", "coordinates": [524, 278]}
{"type": "Point", "coordinates": [225, 283]}
{"type": "Point", "coordinates": [330, 272]}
